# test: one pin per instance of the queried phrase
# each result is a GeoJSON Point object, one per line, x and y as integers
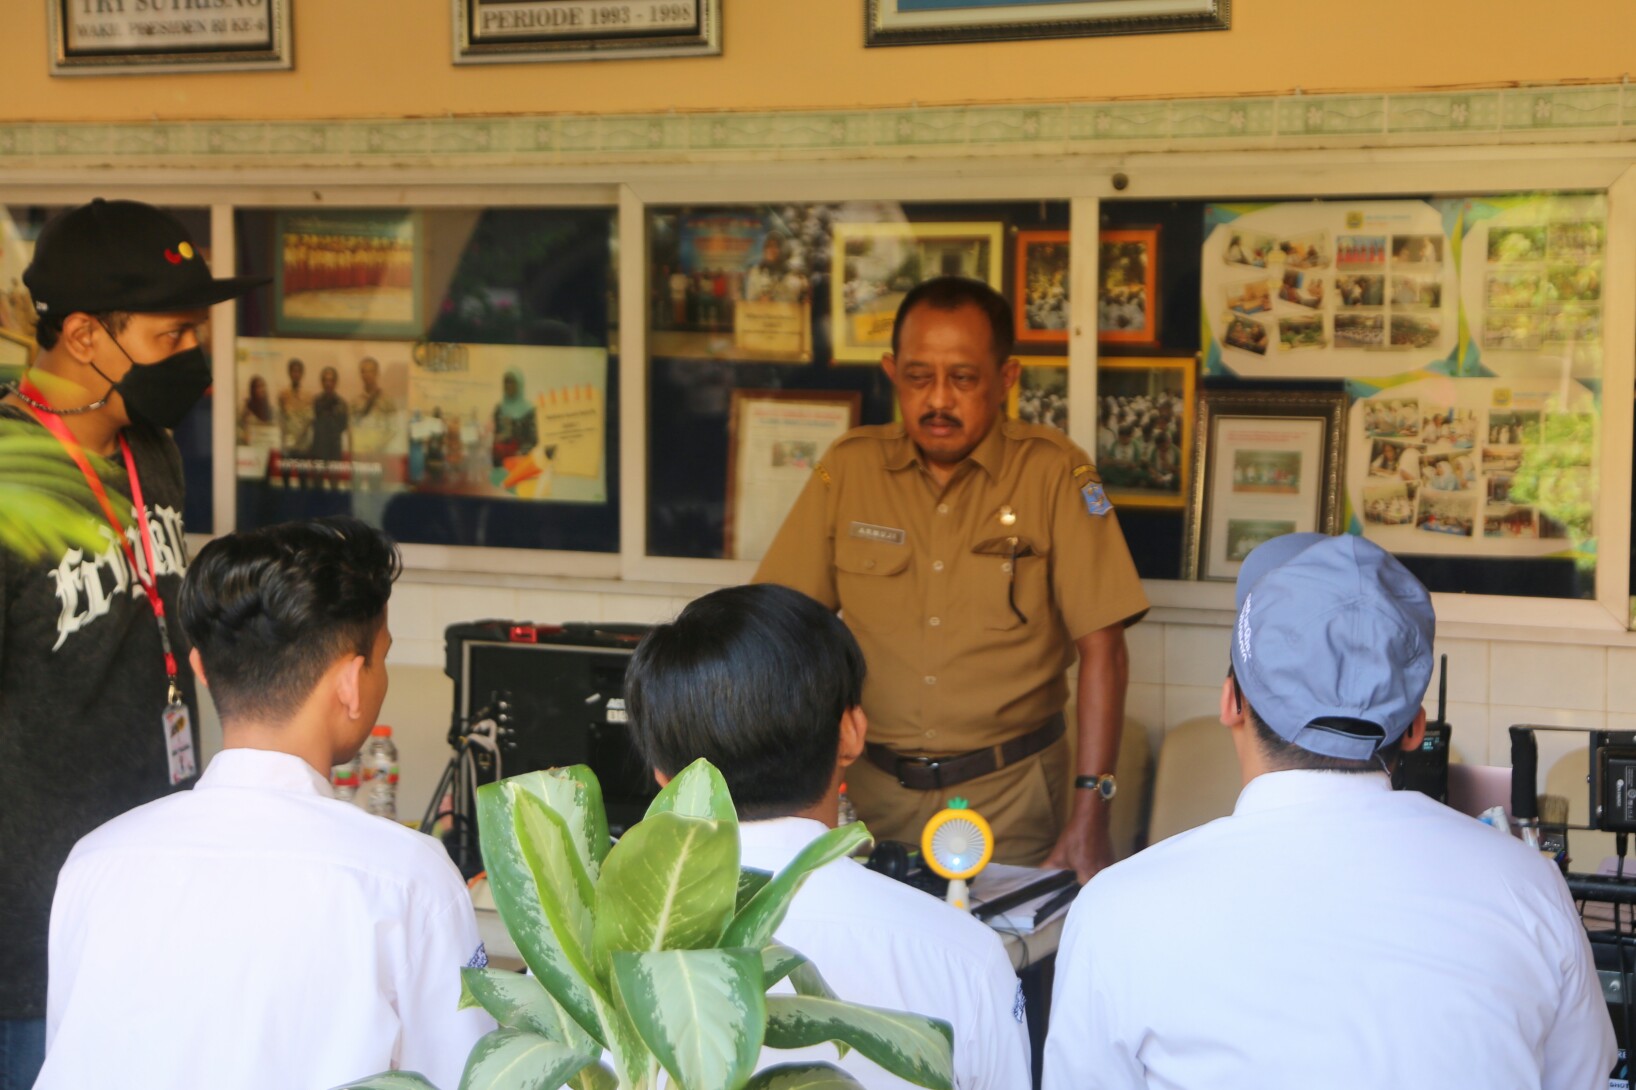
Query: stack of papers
{"type": "Point", "coordinates": [998, 880]}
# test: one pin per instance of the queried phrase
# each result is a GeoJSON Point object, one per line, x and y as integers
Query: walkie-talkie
{"type": "Point", "coordinates": [1426, 769]}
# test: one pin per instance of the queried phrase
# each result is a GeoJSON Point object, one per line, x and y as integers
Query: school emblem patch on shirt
{"type": "Point", "coordinates": [1019, 1005]}
{"type": "Point", "coordinates": [479, 958]}
{"type": "Point", "coordinates": [1096, 500]}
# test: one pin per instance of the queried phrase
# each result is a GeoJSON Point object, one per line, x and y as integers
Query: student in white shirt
{"type": "Point", "coordinates": [1331, 932]}
{"type": "Point", "coordinates": [255, 932]}
{"type": "Point", "coordinates": [765, 683]}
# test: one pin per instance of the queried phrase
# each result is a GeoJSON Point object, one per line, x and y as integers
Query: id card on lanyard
{"type": "Point", "coordinates": [175, 721]}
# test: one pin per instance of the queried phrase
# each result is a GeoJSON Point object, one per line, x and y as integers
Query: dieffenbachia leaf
{"type": "Point", "coordinates": [593, 1077]}
{"type": "Point", "coordinates": [390, 1080]}
{"type": "Point", "coordinates": [519, 1002]}
{"type": "Point", "coordinates": [512, 1059]}
{"type": "Point", "coordinates": [527, 901]}
{"type": "Point", "coordinates": [750, 883]}
{"type": "Point", "coordinates": [668, 884]}
{"type": "Point", "coordinates": [778, 961]}
{"type": "Point", "coordinates": [910, 1046]}
{"type": "Point", "coordinates": [696, 791]}
{"type": "Point", "coordinates": [755, 923]}
{"type": "Point", "coordinates": [807, 980]}
{"type": "Point", "coordinates": [701, 1012]}
{"type": "Point", "coordinates": [806, 1076]}
{"type": "Point", "coordinates": [576, 796]}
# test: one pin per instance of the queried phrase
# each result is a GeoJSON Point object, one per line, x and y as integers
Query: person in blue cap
{"type": "Point", "coordinates": [1330, 932]}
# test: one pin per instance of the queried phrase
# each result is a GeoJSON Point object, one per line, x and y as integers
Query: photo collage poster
{"type": "Point", "coordinates": [1483, 442]}
{"type": "Point", "coordinates": [496, 421]}
{"type": "Point", "coordinates": [1306, 290]}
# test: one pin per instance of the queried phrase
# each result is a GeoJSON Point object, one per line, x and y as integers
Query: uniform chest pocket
{"type": "Point", "coordinates": [1009, 583]}
{"type": "Point", "coordinates": [874, 583]}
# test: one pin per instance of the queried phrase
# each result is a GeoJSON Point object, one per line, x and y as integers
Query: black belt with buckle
{"type": "Point", "coordinates": [935, 773]}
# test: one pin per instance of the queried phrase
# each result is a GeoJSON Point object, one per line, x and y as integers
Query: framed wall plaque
{"type": "Point", "coordinates": [88, 39]}
{"type": "Point", "coordinates": [1267, 464]}
{"type": "Point", "coordinates": [927, 22]}
{"type": "Point", "coordinates": [775, 438]}
{"type": "Point", "coordinates": [509, 31]}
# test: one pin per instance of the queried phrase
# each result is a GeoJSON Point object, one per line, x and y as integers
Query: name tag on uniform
{"type": "Point", "coordinates": [870, 532]}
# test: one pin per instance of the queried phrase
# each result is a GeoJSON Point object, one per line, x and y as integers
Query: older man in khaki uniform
{"type": "Point", "coordinates": [970, 555]}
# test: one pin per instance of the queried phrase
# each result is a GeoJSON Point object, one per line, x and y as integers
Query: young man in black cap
{"type": "Point", "coordinates": [95, 701]}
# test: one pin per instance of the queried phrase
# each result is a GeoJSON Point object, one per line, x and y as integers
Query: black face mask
{"type": "Point", "coordinates": [164, 392]}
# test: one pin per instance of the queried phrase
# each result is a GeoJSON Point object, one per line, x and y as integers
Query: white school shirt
{"type": "Point", "coordinates": [259, 934]}
{"type": "Point", "coordinates": [885, 944]}
{"type": "Point", "coordinates": [1331, 932]}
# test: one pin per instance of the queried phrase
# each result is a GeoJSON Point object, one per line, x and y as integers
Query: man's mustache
{"type": "Point", "coordinates": [940, 418]}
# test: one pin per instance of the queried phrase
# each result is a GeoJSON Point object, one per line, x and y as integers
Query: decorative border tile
{"type": "Point", "coordinates": [1608, 110]}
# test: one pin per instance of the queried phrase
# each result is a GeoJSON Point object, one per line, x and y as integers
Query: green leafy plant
{"type": "Point", "coordinates": [657, 955]}
{"type": "Point", "coordinates": [45, 504]}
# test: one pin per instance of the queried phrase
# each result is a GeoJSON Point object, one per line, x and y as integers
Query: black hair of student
{"type": "Point", "coordinates": [270, 610]}
{"type": "Point", "coordinates": [954, 292]}
{"type": "Point", "coordinates": [1281, 755]}
{"type": "Point", "coordinates": [49, 331]}
{"type": "Point", "coordinates": [754, 679]}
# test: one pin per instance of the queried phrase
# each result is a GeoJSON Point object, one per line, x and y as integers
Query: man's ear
{"type": "Point", "coordinates": [1416, 733]}
{"type": "Point", "coordinates": [197, 663]}
{"type": "Point", "coordinates": [1010, 372]}
{"type": "Point", "coordinates": [348, 690]}
{"type": "Point", "coordinates": [854, 730]}
{"type": "Point", "coordinates": [79, 331]}
{"type": "Point", "coordinates": [889, 364]}
{"type": "Point", "coordinates": [1232, 705]}
{"type": "Point", "coordinates": [661, 779]}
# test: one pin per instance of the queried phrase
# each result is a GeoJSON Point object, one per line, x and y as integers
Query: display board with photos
{"type": "Point", "coordinates": [1467, 333]}
{"type": "Point", "coordinates": [755, 311]}
{"type": "Point", "coordinates": [446, 374]}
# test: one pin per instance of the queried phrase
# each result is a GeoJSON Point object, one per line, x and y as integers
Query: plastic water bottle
{"type": "Point", "coordinates": [344, 779]}
{"type": "Point", "coordinates": [378, 769]}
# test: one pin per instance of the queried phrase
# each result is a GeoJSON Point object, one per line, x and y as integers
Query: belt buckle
{"type": "Point", "coordinates": [930, 764]}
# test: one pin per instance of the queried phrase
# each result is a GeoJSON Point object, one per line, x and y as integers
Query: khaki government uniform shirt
{"type": "Point", "coordinates": [923, 576]}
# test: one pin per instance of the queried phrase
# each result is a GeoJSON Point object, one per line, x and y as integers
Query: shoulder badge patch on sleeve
{"type": "Point", "coordinates": [1096, 500]}
{"type": "Point", "coordinates": [1086, 472]}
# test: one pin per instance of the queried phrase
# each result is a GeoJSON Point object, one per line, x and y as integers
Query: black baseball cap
{"type": "Point", "coordinates": [122, 255]}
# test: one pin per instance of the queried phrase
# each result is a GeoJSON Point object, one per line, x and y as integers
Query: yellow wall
{"type": "Point", "coordinates": [390, 58]}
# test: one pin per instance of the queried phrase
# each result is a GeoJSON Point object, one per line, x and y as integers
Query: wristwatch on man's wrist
{"type": "Point", "coordinates": [1104, 785]}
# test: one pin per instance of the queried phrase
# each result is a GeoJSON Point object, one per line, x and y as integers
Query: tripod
{"type": "Point", "coordinates": [477, 742]}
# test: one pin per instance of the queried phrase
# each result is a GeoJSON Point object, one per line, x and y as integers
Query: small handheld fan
{"type": "Point", "coordinates": [956, 844]}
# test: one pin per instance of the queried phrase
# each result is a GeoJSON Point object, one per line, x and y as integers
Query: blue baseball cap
{"type": "Point", "coordinates": [1332, 628]}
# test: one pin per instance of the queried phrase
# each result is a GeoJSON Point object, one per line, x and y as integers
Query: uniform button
{"type": "Point", "coordinates": [934, 622]}
{"type": "Point", "coordinates": [937, 565]}
{"type": "Point", "coordinates": [869, 563]}
{"type": "Point", "coordinates": [1005, 567]}
{"type": "Point", "coordinates": [942, 508]}
{"type": "Point", "coordinates": [930, 680]}
{"type": "Point", "coordinates": [931, 734]}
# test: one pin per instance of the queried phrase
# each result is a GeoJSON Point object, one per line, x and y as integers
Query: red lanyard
{"type": "Point", "coordinates": [150, 581]}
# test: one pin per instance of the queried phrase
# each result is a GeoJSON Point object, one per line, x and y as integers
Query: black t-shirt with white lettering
{"type": "Point", "coordinates": [82, 689]}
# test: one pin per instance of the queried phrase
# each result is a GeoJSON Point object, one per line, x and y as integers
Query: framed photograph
{"type": "Point", "coordinates": [119, 39]}
{"type": "Point", "coordinates": [1041, 393]}
{"type": "Point", "coordinates": [730, 284]}
{"type": "Point", "coordinates": [926, 22]}
{"type": "Point", "coordinates": [1144, 430]}
{"type": "Point", "coordinates": [1266, 464]}
{"type": "Point", "coordinates": [877, 264]}
{"type": "Point", "coordinates": [352, 273]}
{"type": "Point", "coordinates": [1042, 287]}
{"type": "Point", "coordinates": [509, 31]}
{"type": "Point", "coordinates": [1127, 289]}
{"type": "Point", "coordinates": [775, 438]}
